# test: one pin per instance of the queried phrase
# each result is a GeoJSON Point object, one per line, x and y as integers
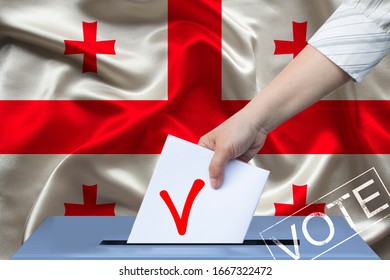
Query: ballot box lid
{"type": "Point", "coordinates": [91, 238]}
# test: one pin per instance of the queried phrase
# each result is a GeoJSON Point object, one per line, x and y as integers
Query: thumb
{"type": "Point", "coordinates": [217, 167]}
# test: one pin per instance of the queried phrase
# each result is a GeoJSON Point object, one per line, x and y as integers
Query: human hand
{"type": "Point", "coordinates": [238, 137]}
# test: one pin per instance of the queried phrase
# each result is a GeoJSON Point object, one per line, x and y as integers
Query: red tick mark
{"type": "Point", "coordinates": [181, 222]}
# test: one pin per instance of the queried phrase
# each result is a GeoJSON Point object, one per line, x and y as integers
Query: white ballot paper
{"type": "Point", "coordinates": [180, 206]}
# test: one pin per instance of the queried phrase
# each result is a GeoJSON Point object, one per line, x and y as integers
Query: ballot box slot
{"type": "Point", "coordinates": [247, 242]}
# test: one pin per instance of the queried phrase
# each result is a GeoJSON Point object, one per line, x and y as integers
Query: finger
{"type": "Point", "coordinates": [217, 167]}
{"type": "Point", "coordinates": [246, 157]}
{"type": "Point", "coordinates": [206, 142]}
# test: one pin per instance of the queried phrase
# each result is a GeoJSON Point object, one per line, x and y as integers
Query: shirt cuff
{"type": "Point", "coordinates": [352, 41]}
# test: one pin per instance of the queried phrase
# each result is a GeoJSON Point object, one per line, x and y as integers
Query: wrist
{"type": "Point", "coordinates": [259, 115]}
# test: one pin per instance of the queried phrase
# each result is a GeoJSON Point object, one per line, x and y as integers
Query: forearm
{"type": "Point", "coordinates": [307, 79]}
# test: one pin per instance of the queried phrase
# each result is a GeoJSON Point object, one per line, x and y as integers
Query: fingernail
{"type": "Point", "coordinates": [214, 183]}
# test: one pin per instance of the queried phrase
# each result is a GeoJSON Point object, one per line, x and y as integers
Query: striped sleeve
{"type": "Point", "coordinates": [356, 37]}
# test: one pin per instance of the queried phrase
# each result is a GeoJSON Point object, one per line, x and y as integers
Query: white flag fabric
{"type": "Point", "coordinates": [89, 90]}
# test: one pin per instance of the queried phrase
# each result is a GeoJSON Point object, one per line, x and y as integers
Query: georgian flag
{"type": "Point", "coordinates": [90, 90]}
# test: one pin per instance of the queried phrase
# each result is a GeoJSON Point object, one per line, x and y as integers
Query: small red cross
{"type": "Point", "coordinates": [299, 206]}
{"type": "Point", "coordinates": [89, 47]}
{"type": "Point", "coordinates": [89, 208]}
{"type": "Point", "coordinates": [299, 40]}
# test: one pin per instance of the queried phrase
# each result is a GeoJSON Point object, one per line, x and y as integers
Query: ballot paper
{"type": "Point", "coordinates": [180, 206]}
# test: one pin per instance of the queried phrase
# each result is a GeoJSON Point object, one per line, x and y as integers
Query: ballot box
{"type": "Point", "coordinates": [268, 237]}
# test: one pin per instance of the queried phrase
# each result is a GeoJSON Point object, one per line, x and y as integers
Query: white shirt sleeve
{"type": "Point", "coordinates": [356, 37]}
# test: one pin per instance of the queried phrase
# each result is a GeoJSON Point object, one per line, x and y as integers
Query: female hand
{"type": "Point", "coordinates": [236, 138]}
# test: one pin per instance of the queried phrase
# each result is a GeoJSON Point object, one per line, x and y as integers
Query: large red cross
{"type": "Point", "coordinates": [89, 47]}
{"type": "Point", "coordinates": [194, 107]}
{"type": "Point", "coordinates": [89, 208]}
{"type": "Point", "coordinates": [299, 206]}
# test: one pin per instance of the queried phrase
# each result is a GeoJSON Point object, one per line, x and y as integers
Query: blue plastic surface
{"type": "Point", "coordinates": [80, 237]}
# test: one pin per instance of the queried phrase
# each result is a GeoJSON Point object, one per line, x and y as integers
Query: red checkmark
{"type": "Point", "coordinates": [181, 222]}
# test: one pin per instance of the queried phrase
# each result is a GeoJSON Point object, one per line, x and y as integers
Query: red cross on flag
{"type": "Point", "coordinates": [89, 92]}
{"type": "Point", "coordinates": [89, 47]}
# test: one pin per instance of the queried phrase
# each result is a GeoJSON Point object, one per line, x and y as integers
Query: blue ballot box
{"type": "Point", "coordinates": [268, 237]}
